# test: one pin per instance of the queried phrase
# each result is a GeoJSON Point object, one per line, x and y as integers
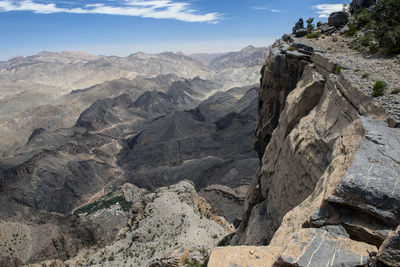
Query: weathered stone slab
{"type": "Point", "coordinates": [361, 226]}
{"type": "Point", "coordinates": [303, 46]}
{"type": "Point", "coordinates": [372, 183]}
{"type": "Point", "coordinates": [243, 256]}
{"type": "Point", "coordinates": [329, 246]}
{"type": "Point", "coordinates": [298, 55]}
{"type": "Point", "coordinates": [323, 62]}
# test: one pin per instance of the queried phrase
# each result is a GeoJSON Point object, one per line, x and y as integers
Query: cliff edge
{"type": "Point", "coordinates": [327, 192]}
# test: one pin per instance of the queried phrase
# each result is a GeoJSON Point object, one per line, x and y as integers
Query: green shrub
{"type": "Point", "coordinates": [365, 39]}
{"type": "Point", "coordinates": [386, 14]}
{"type": "Point", "coordinates": [395, 91]}
{"type": "Point", "coordinates": [311, 35]}
{"type": "Point", "coordinates": [310, 25]}
{"type": "Point", "coordinates": [291, 48]}
{"type": "Point", "coordinates": [110, 199]}
{"type": "Point", "coordinates": [196, 263]}
{"type": "Point", "coordinates": [365, 75]}
{"type": "Point", "coordinates": [225, 241]}
{"type": "Point", "coordinates": [379, 88]}
{"type": "Point", "coordinates": [338, 69]}
{"type": "Point", "coordinates": [351, 31]}
{"type": "Point", "coordinates": [362, 17]}
{"type": "Point", "coordinates": [373, 48]}
{"type": "Point", "coordinates": [383, 21]}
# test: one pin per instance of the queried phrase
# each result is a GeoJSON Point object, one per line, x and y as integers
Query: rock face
{"type": "Point", "coordinates": [330, 167]}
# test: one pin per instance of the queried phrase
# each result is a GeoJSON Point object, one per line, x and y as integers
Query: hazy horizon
{"type": "Point", "coordinates": [123, 27]}
{"type": "Point", "coordinates": [217, 47]}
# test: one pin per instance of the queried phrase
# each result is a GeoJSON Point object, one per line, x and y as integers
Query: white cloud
{"type": "Point", "coordinates": [324, 10]}
{"type": "Point", "coordinates": [260, 7]}
{"type": "Point", "coordinates": [267, 8]}
{"type": "Point", "coordinates": [158, 9]}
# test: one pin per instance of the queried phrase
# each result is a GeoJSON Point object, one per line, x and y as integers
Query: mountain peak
{"type": "Point", "coordinates": [249, 48]}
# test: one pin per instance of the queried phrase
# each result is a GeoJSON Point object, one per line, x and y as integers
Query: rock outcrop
{"type": "Point", "coordinates": [173, 226]}
{"type": "Point", "coordinates": [330, 168]}
{"type": "Point", "coordinates": [338, 19]}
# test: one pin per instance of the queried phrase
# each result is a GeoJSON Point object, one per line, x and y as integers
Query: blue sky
{"type": "Point", "coordinates": [123, 27]}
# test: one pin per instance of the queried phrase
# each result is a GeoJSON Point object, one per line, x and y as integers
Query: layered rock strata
{"type": "Point", "coordinates": [327, 192]}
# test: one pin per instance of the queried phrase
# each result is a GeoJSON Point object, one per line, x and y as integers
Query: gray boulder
{"type": "Point", "coordinates": [330, 30]}
{"type": "Point", "coordinates": [326, 29]}
{"type": "Point", "coordinates": [303, 46]}
{"type": "Point", "coordinates": [344, 29]}
{"type": "Point", "coordinates": [338, 19]}
{"type": "Point", "coordinates": [287, 38]}
{"type": "Point", "coordinates": [301, 32]}
{"type": "Point", "coordinates": [299, 25]}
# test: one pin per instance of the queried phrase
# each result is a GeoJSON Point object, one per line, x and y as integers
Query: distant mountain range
{"type": "Point", "coordinates": [75, 127]}
{"type": "Point", "coordinates": [206, 58]}
{"type": "Point", "coordinates": [59, 73]}
{"type": "Point", "coordinates": [45, 90]}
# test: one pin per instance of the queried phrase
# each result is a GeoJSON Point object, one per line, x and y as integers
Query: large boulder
{"type": "Point", "coordinates": [301, 32]}
{"type": "Point", "coordinates": [338, 19]}
{"type": "Point", "coordinates": [299, 25]}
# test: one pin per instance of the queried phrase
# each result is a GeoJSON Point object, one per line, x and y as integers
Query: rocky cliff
{"type": "Point", "coordinates": [327, 191]}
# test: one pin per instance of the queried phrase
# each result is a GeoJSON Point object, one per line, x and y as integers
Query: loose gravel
{"type": "Point", "coordinates": [363, 68]}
